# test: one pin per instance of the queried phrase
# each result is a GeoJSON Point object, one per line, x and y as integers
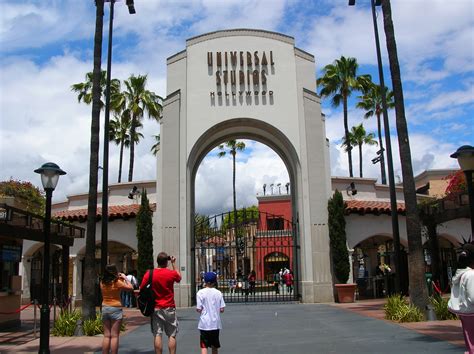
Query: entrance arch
{"type": "Point", "coordinates": [255, 85]}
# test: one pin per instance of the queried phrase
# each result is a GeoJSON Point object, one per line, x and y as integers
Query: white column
{"type": "Point", "coordinates": [76, 279]}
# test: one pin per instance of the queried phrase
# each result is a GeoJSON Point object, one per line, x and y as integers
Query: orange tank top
{"type": "Point", "coordinates": [111, 293]}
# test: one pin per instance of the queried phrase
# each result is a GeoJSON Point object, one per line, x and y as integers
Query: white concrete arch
{"type": "Point", "coordinates": [244, 84]}
{"type": "Point", "coordinates": [246, 128]}
{"type": "Point", "coordinates": [111, 244]}
{"type": "Point", "coordinates": [362, 227]}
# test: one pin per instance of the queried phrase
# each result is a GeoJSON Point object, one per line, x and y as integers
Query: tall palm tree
{"type": "Point", "coordinates": [357, 137]}
{"type": "Point", "coordinates": [90, 276]}
{"type": "Point", "coordinates": [232, 147]}
{"type": "Point", "coordinates": [339, 80]}
{"type": "Point", "coordinates": [371, 102]}
{"type": "Point", "coordinates": [418, 291]}
{"type": "Point", "coordinates": [156, 147]}
{"type": "Point", "coordinates": [119, 132]}
{"type": "Point", "coordinates": [84, 89]}
{"type": "Point", "coordinates": [139, 101]}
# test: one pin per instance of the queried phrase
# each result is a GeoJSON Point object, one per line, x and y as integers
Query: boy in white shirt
{"type": "Point", "coordinates": [210, 304]}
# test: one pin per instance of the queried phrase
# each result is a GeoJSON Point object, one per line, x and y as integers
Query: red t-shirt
{"type": "Point", "coordinates": [163, 286]}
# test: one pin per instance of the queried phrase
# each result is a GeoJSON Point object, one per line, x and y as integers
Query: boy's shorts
{"type": "Point", "coordinates": [210, 339]}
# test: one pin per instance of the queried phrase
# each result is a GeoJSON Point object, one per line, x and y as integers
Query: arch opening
{"type": "Point", "coordinates": [270, 235]}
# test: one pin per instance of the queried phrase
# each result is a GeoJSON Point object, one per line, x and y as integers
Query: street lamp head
{"type": "Point", "coordinates": [131, 7]}
{"type": "Point", "coordinates": [50, 173]}
{"type": "Point", "coordinates": [352, 2]}
{"type": "Point", "coordinates": [465, 156]}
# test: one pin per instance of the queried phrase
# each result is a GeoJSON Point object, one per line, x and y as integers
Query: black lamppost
{"type": "Point", "coordinates": [465, 156]}
{"type": "Point", "coordinates": [50, 173]}
{"type": "Point", "coordinates": [388, 145]}
{"type": "Point", "coordinates": [105, 176]}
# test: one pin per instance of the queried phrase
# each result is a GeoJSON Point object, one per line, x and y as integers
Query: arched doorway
{"type": "Point", "coordinates": [374, 269]}
{"type": "Point", "coordinates": [55, 271]}
{"type": "Point", "coordinates": [442, 267]}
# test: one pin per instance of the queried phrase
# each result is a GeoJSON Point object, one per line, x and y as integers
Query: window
{"type": "Point", "coordinates": [10, 256]}
{"type": "Point", "coordinates": [275, 223]}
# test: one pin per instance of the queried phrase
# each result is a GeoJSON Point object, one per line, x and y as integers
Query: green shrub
{"type": "Point", "coordinates": [93, 326]}
{"type": "Point", "coordinates": [399, 310]}
{"type": "Point", "coordinates": [337, 238]}
{"type": "Point", "coordinates": [65, 323]}
{"type": "Point", "coordinates": [440, 305]}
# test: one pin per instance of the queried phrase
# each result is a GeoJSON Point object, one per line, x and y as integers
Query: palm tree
{"type": "Point", "coordinates": [156, 147]}
{"type": "Point", "coordinates": [418, 290]}
{"type": "Point", "coordinates": [84, 89]}
{"type": "Point", "coordinates": [357, 137]}
{"type": "Point", "coordinates": [139, 101]}
{"type": "Point", "coordinates": [371, 102]}
{"type": "Point", "coordinates": [233, 146]}
{"type": "Point", "coordinates": [339, 80]}
{"type": "Point", "coordinates": [119, 132]}
{"type": "Point", "coordinates": [90, 277]}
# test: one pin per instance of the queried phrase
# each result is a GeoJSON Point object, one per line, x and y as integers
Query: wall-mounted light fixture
{"type": "Point", "coordinates": [133, 192]}
{"type": "Point", "coordinates": [351, 189]}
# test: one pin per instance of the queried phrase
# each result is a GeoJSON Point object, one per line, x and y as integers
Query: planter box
{"type": "Point", "coordinates": [345, 292]}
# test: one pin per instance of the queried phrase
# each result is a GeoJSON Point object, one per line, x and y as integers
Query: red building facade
{"type": "Point", "coordinates": [274, 239]}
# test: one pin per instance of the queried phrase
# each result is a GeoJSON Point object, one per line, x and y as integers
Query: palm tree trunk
{"type": "Point", "coordinates": [346, 131]}
{"type": "Point", "coordinates": [382, 154]}
{"type": "Point", "coordinates": [360, 160]}
{"type": "Point", "coordinates": [120, 162]}
{"type": "Point", "coordinates": [418, 291]}
{"type": "Point", "coordinates": [132, 148]}
{"type": "Point", "coordinates": [90, 278]}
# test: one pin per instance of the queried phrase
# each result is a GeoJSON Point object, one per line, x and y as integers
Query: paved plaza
{"type": "Point", "coordinates": [290, 328]}
{"type": "Point", "coordinates": [296, 328]}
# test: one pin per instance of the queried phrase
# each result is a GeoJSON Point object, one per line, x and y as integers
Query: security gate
{"type": "Point", "coordinates": [254, 254]}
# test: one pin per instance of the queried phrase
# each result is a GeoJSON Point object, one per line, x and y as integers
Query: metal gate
{"type": "Point", "coordinates": [254, 254]}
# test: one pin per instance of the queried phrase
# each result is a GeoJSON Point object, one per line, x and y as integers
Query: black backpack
{"type": "Point", "coordinates": [146, 297]}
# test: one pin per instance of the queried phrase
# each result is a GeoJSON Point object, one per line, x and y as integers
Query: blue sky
{"type": "Point", "coordinates": [47, 45]}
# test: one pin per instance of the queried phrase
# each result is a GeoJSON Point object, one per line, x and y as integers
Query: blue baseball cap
{"type": "Point", "coordinates": [210, 277]}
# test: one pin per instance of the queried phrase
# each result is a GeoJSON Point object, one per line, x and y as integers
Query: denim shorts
{"type": "Point", "coordinates": [111, 313]}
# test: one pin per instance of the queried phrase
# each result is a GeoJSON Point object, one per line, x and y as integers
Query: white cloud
{"type": "Point", "coordinates": [28, 25]}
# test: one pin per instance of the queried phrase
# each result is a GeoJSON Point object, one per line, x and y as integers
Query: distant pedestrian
{"type": "Point", "coordinates": [289, 281]}
{"type": "Point", "coordinates": [111, 284]}
{"type": "Point", "coordinates": [210, 304]}
{"type": "Point", "coordinates": [276, 282]}
{"type": "Point", "coordinates": [132, 278]}
{"type": "Point", "coordinates": [232, 284]}
{"type": "Point", "coordinates": [252, 278]}
{"type": "Point", "coordinates": [164, 318]}
{"type": "Point", "coordinates": [462, 294]}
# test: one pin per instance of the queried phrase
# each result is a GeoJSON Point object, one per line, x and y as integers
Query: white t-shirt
{"type": "Point", "coordinates": [132, 280]}
{"type": "Point", "coordinates": [210, 301]}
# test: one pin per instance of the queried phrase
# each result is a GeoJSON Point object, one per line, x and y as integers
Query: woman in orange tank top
{"type": "Point", "coordinates": [111, 285]}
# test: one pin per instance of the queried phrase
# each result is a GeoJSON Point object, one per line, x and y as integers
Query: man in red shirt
{"type": "Point", "coordinates": [164, 318]}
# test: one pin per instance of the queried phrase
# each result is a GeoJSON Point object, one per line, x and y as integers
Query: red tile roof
{"type": "Point", "coordinates": [371, 207]}
{"type": "Point", "coordinates": [130, 211]}
{"type": "Point", "coordinates": [115, 212]}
